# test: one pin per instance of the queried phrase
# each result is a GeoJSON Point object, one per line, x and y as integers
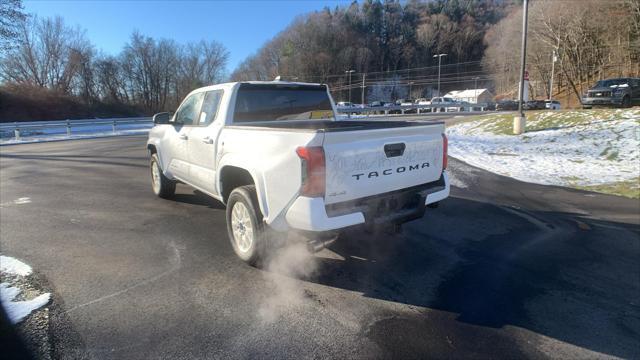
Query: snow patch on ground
{"type": "Point", "coordinates": [18, 201]}
{"type": "Point", "coordinates": [12, 266]}
{"type": "Point", "coordinates": [22, 200]}
{"type": "Point", "coordinates": [18, 310]}
{"type": "Point", "coordinates": [14, 270]}
{"type": "Point", "coordinates": [583, 152]}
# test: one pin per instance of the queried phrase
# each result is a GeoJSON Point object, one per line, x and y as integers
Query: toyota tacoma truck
{"type": "Point", "coordinates": [276, 154]}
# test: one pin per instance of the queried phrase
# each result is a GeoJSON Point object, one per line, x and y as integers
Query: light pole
{"type": "Point", "coordinates": [475, 88]}
{"type": "Point", "coordinates": [410, 85]}
{"type": "Point", "coordinates": [364, 75]}
{"type": "Point", "coordinates": [519, 122]}
{"type": "Point", "coordinates": [554, 58]}
{"type": "Point", "coordinates": [439, 56]}
{"type": "Point", "coordinates": [349, 72]}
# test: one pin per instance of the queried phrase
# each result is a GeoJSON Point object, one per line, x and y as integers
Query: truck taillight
{"type": "Point", "coordinates": [313, 170]}
{"type": "Point", "coordinates": [445, 150]}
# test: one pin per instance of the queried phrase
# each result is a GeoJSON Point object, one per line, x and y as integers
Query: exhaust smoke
{"type": "Point", "coordinates": [284, 269]}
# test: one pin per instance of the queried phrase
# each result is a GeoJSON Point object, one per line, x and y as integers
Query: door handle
{"type": "Point", "coordinates": [184, 136]}
{"type": "Point", "coordinates": [207, 140]}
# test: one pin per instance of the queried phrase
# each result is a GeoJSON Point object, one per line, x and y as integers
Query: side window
{"type": "Point", "coordinates": [190, 109]}
{"type": "Point", "coordinates": [210, 107]}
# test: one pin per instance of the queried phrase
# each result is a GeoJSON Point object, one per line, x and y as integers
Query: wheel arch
{"type": "Point", "coordinates": [231, 176]}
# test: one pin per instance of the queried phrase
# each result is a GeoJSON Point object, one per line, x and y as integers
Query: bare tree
{"type": "Point", "coordinates": [49, 54]}
{"type": "Point", "coordinates": [11, 16]}
{"type": "Point", "coordinates": [587, 47]}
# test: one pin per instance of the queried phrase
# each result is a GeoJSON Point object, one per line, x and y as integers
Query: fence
{"type": "Point", "coordinates": [18, 130]}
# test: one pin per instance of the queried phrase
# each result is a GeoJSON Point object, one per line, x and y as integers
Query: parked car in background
{"type": "Point", "coordinates": [422, 101]}
{"type": "Point", "coordinates": [448, 104]}
{"type": "Point", "coordinates": [344, 104]}
{"type": "Point", "coordinates": [622, 92]}
{"type": "Point", "coordinates": [376, 103]}
{"type": "Point", "coordinates": [534, 105]}
{"type": "Point", "coordinates": [552, 105]}
{"type": "Point", "coordinates": [506, 105]}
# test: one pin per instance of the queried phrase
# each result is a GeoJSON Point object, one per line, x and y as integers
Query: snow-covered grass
{"type": "Point", "coordinates": [18, 310]}
{"type": "Point", "coordinates": [597, 150]}
{"type": "Point", "coordinates": [15, 273]}
{"type": "Point", "coordinates": [11, 266]}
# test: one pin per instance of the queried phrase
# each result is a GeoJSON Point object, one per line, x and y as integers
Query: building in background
{"type": "Point", "coordinates": [473, 96]}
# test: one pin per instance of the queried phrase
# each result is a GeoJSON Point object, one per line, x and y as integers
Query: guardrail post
{"type": "Point", "coordinates": [113, 127]}
{"type": "Point", "coordinates": [16, 132]}
{"type": "Point", "coordinates": [68, 128]}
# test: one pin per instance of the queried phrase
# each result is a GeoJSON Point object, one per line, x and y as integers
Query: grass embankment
{"type": "Point", "coordinates": [592, 129]}
{"type": "Point", "coordinates": [502, 124]}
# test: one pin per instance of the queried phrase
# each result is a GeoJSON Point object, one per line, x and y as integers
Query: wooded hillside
{"type": "Point", "coordinates": [391, 45]}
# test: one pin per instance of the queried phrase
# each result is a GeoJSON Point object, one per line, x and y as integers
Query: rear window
{"type": "Point", "coordinates": [258, 102]}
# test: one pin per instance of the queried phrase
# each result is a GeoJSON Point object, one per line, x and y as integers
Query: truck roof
{"type": "Point", "coordinates": [230, 85]}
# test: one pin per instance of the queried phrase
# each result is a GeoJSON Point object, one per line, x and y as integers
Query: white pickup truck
{"type": "Point", "coordinates": [277, 156]}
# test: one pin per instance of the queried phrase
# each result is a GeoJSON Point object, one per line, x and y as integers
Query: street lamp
{"type": "Point", "coordinates": [349, 72]}
{"type": "Point", "coordinates": [554, 58]}
{"type": "Point", "coordinates": [439, 56]}
{"type": "Point", "coordinates": [519, 122]}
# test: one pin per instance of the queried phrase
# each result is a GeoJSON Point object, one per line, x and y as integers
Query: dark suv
{"type": "Point", "coordinates": [622, 92]}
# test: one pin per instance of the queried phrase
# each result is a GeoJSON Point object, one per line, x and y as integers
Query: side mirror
{"type": "Point", "coordinates": [162, 118]}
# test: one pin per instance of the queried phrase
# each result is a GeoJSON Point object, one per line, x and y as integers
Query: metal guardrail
{"type": "Point", "coordinates": [418, 108]}
{"type": "Point", "coordinates": [18, 128]}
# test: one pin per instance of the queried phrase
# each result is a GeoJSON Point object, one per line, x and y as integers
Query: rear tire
{"type": "Point", "coordinates": [626, 102]}
{"type": "Point", "coordinates": [245, 227]}
{"type": "Point", "coordinates": [162, 186]}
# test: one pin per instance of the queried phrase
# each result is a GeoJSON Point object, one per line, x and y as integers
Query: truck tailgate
{"type": "Point", "coordinates": [365, 162]}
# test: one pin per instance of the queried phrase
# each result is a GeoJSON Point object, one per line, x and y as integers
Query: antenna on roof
{"type": "Point", "coordinates": [277, 78]}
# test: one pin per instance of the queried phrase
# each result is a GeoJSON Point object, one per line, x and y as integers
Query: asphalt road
{"type": "Point", "coordinates": [502, 269]}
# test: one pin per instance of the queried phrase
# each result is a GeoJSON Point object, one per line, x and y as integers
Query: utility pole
{"type": "Point", "coordinates": [475, 88]}
{"type": "Point", "coordinates": [439, 56]}
{"type": "Point", "coordinates": [410, 85]}
{"type": "Point", "coordinates": [554, 58]}
{"type": "Point", "coordinates": [350, 72]}
{"type": "Point", "coordinates": [364, 75]}
{"type": "Point", "coordinates": [519, 122]}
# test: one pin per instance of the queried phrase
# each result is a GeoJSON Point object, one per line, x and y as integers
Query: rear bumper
{"type": "Point", "coordinates": [311, 214]}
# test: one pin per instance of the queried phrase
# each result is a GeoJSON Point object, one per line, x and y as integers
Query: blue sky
{"type": "Point", "coordinates": [242, 26]}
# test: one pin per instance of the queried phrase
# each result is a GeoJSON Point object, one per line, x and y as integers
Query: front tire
{"type": "Point", "coordinates": [245, 227]}
{"type": "Point", "coordinates": [162, 186]}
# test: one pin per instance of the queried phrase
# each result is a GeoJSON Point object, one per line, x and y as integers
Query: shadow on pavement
{"type": "Point", "coordinates": [567, 278]}
{"type": "Point", "coordinates": [198, 198]}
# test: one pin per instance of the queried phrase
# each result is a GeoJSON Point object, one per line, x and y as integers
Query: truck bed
{"type": "Point", "coordinates": [334, 126]}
